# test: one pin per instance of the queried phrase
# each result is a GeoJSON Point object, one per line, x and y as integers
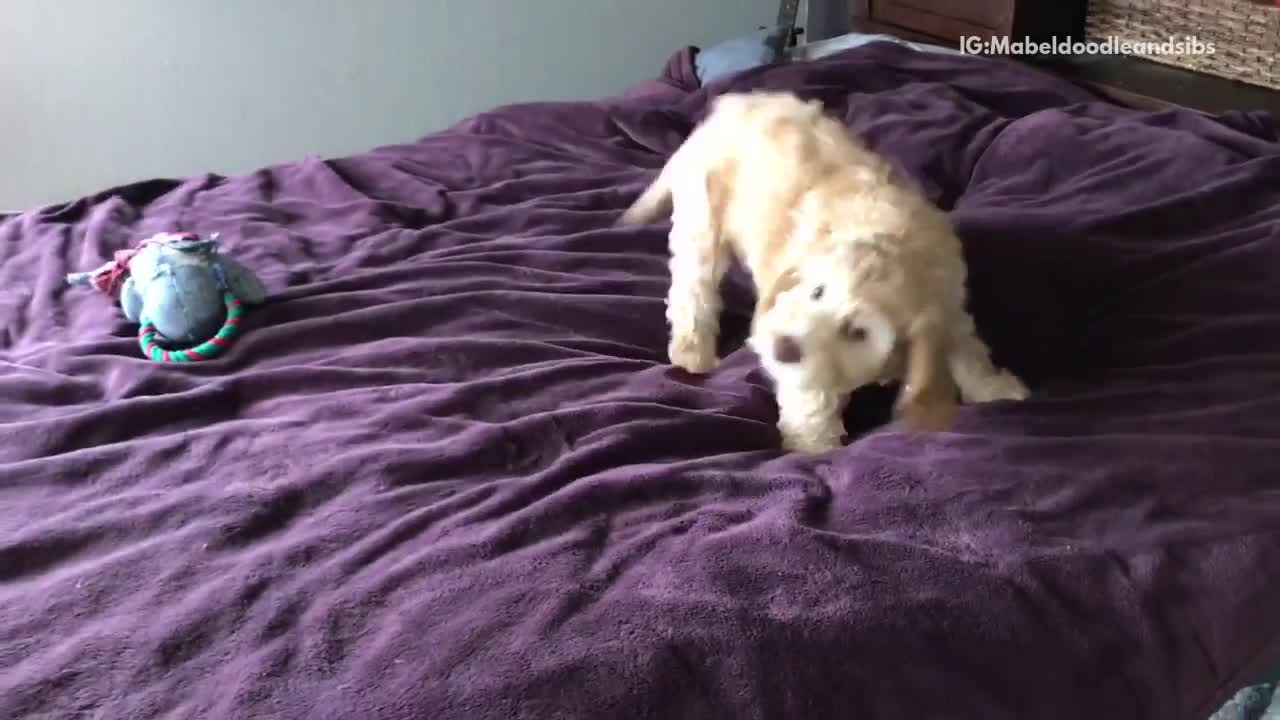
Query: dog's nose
{"type": "Point", "coordinates": [787, 350]}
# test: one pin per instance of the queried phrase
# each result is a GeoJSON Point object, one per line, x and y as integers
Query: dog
{"type": "Point", "coordinates": [859, 278]}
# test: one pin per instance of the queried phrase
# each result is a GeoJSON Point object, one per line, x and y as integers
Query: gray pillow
{"type": "Point", "coordinates": [763, 47]}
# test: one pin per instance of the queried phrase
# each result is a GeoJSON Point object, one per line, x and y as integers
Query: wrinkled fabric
{"type": "Point", "coordinates": [446, 472]}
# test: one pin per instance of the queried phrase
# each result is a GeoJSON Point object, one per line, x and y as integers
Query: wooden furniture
{"type": "Point", "coordinates": [1130, 81]}
{"type": "Point", "coordinates": [1147, 85]}
{"type": "Point", "coordinates": [951, 20]}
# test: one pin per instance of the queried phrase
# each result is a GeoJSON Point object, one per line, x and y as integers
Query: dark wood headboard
{"type": "Point", "coordinates": [1129, 81]}
{"type": "Point", "coordinates": [949, 20]}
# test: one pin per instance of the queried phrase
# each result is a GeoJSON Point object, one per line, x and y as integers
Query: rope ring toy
{"type": "Point", "coordinates": [206, 350]}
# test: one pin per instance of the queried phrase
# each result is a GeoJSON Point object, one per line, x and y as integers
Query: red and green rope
{"type": "Point", "coordinates": [205, 350]}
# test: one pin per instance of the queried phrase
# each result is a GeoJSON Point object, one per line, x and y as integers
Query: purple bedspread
{"type": "Point", "coordinates": [447, 473]}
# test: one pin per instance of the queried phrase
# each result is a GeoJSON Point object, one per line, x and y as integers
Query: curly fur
{"type": "Point", "coordinates": [859, 278]}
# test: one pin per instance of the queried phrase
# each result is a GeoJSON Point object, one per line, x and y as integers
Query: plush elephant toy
{"type": "Point", "coordinates": [181, 291]}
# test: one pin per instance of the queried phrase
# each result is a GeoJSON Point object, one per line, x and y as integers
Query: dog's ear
{"type": "Point", "coordinates": [768, 295]}
{"type": "Point", "coordinates": [928, 400]}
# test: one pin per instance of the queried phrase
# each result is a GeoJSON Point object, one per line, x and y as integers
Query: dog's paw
{"type": "Point", "coordinates": [1004, 385]}
{"type": "Point", "coordinates": [692, 355]}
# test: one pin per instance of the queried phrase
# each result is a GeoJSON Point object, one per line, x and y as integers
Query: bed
{"type": "Point", "coordinates": [446, 472]}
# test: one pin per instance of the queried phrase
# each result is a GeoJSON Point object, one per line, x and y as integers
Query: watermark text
{"type": "Point", "coordinates": [1004, 45]}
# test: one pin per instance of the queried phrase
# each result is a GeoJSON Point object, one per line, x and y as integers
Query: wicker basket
{"type": "Point", "coordinates": [1245, 34]}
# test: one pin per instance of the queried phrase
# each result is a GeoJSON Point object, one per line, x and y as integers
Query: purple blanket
{"type": "Point", "coordinates": [446, 473]}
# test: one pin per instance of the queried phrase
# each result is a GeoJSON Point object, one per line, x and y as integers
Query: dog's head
{"type": "Point", "coordinates": [825, 321]}
{"type": "Point", "coordinates": [814, 320]}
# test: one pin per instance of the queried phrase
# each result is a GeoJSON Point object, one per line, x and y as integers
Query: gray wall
{"type": "Point", "coordinates": [95, 93]}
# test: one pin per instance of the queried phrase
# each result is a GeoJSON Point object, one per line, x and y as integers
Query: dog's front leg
{"type": "Point", "coordinates": [810, 417]}
{"type": "Point", "coordinates": [699, 260]}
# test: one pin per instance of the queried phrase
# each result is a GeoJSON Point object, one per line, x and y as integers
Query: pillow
{"type": "Point", "coordinates": [763, 47]}
{"type": "Point", "coordinates": [819, 49]}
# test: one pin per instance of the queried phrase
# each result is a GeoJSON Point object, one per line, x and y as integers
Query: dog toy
{"type": "Point", "coordinates": [180, 290]}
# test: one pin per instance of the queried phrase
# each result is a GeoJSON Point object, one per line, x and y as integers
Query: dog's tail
{"type": "Point", "coordinates": [653, 203]}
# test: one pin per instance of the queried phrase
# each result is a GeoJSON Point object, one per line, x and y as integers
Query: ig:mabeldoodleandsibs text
{"type": "Point", "coordinates": [1005, 45]}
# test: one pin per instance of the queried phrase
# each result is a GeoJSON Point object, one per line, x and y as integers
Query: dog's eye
{"type": "Point", "coordinates": [817, 292]}
{"type": "Point", "coordinates": [853, 332]}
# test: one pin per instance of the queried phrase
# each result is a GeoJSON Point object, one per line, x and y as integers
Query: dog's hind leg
{"type": "Point", "coordinates": [980, 381]}
{"type": "Point", "coordinates": [699, 259]}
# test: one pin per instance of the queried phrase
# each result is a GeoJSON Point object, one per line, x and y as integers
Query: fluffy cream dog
{"type": "Point", "coordinates": [859, 278]}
